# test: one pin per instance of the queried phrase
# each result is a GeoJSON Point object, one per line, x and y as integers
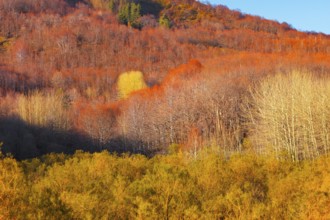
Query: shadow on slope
{"type": "Point", "coordinates": [24, 141]}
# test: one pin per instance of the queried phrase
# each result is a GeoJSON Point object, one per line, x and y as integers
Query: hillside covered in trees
{"type": "Point", "coordinates": [182, 110]}
{"type": "Point", "coordinates": [139, 76]}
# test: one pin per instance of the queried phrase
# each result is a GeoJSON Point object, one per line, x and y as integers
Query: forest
{"type": "Point", "coordinates": [160, 109]}
{"type": "Point", "coordinates": [171, 186]}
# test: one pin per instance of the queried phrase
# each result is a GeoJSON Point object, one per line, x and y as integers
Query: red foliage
{"type": "Point", "coordinates": [58, 45]}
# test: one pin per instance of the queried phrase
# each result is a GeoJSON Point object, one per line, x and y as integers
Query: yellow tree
{"type": "Point", "coordinates": [129, 82]}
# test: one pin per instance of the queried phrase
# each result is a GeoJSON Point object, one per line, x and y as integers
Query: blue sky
{"type": "Point", "coordinates": [305, 15]}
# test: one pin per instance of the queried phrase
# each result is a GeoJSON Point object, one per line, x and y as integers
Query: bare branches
{"type": "Point", "coordinates": [291, 113]}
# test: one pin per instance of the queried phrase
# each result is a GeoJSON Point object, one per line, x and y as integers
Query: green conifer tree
{"type": "Point", "coordinates": [164, 21]}
{"type": "Point", "coordinates": [135, 14]}
{"type": "Point", "coordinates": [123, 14]}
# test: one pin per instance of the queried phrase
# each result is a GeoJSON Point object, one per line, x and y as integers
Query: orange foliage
{"type": "Point", "coordinates": [97, 121]}
{"type": "Point", "coordinates": [194, 141]}
{"type": "Point", "coordinates": [183, 72]}
{"type": "Point", "coordinates": [196, 71]}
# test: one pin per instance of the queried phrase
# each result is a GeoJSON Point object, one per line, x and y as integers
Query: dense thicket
{"type": "Point", "coordinates": [105, 186]}
{"type": "Point", "coordinates": [215, 114]}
